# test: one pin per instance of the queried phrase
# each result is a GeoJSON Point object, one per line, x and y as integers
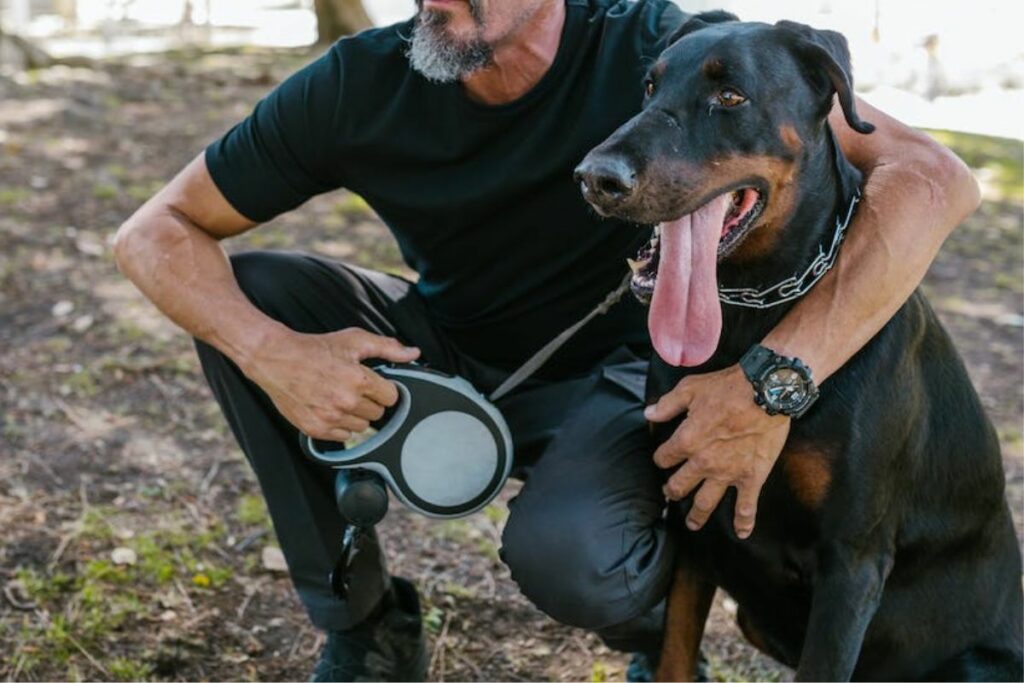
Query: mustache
{"type": "Point", "coordinates": [476, 11]}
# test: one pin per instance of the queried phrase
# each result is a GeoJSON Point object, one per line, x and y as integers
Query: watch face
{"type": "Point", "coordinates": [785, 389]}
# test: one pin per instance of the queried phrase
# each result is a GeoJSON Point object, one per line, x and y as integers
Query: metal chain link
{"type": "Point", "coordinates": [798, 285]}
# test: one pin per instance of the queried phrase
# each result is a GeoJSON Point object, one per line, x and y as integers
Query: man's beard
{"type": "Point", "coordinates": [441, 57]}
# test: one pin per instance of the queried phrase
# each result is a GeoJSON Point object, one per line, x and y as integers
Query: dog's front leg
{"type": "Point", "coordinates": [689, 602]}
{"type": "Point", "coordinates": [847, 591]}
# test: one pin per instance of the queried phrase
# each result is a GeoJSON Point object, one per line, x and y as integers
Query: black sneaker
{"type": "Point", "coordinates": [641, 668]}
{"type": "Point", "coordinates": [643, 665]}
{"type": "Point", "coordinates": [388, 646]}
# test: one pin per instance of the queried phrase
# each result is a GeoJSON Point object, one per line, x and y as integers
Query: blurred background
{"type": "Point", "coordinates": [136, 545]}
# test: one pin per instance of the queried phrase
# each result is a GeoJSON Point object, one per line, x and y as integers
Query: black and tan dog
{"type": "Point", "coordinates": [884, 548]}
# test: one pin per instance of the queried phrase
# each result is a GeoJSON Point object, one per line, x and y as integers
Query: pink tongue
{"type": "Point", "coordinates": [685, 318]}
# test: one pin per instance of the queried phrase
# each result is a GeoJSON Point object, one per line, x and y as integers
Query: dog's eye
{"type": "Point", "coordinates": [649, 87]}
{"type": "Point", "coordinates": [730, 98]}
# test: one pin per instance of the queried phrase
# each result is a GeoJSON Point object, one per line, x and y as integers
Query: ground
{"type": "Point", "coordinates": [136, 544]}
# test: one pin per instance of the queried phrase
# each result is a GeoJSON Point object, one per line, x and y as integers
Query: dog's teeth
{"type": "Point", "coordinates": [637, 266]}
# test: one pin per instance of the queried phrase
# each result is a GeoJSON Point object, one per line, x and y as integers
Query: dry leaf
{"type": "Point", "coordinates": [273, 559]}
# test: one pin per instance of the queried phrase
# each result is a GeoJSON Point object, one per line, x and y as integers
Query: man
{"type": "Point", "coordinates": [461, 128]}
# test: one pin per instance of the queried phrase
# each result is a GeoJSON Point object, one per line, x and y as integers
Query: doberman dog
{"type": "Point", "coordinates": [884, 547]}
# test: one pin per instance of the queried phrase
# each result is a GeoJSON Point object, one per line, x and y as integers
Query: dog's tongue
{"type": "Point", "coordinates": [685, 318]}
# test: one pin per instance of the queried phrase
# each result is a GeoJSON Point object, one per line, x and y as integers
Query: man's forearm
{"type": "Point", "coordinates": [186, 274]}
{"type": "Point", "coordinates": [911, 204]}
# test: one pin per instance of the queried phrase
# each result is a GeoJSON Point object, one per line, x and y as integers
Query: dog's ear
{"type": "Point", "coordinates": [825, 57]}
{"type": "Point", "coordinates": [702, 20]}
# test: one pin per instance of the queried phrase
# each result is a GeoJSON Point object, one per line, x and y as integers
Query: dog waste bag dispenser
{"type": "Point", "coordinates": [445, 450]}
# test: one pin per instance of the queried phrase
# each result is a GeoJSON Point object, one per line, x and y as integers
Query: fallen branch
{"type": "Point", "coordinates": [34, 56]}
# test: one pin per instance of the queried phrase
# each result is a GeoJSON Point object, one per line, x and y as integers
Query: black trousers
{"type": "Point", "coordinates": [585, 538]}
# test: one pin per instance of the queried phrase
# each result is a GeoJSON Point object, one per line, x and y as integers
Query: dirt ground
{"type": "Point", "coordinates": [135, 541]}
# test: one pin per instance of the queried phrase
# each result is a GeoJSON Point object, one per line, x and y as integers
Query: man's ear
{"type": "Point", "coordinates": [825, 57]}
{"type": "Point", "coordinates": [702, 20]}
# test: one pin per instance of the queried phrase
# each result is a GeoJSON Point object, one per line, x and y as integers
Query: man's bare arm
{"type": "Point", "coordinates": [916, 192]}
{"type": "Point", "coordinates": [182, 269]}
{"type": "Point", "coordinates": [170, 249]}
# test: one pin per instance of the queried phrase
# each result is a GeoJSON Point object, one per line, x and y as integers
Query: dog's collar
{"type": "Point", "coordinates": [797, 285]}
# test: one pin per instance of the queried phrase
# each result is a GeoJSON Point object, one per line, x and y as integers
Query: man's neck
{"type": "Point", "coordinates": [520, 59]}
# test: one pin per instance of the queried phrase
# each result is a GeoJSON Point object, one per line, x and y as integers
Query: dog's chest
{"type": "Point", "coordinates": [776, 565]}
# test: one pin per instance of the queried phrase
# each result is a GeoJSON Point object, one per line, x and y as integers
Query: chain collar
{"type": "Point", "coordinates": [798, 285]}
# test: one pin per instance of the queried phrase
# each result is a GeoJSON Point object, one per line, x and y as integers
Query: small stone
{"type": "Point", "coordinates": [122, 556]}
{"type": "Point", "coordinates": [168, 615]}
{"type": "Point", "coordinates": [82, 323]}
{"type": "Point", "coordinates": [62, 308]}
{"type": "Point", "coordinates": [273, 559]}
{"type": "Point", "coordinates": [1011, 319]}
{"type": "Point", "coordinates": [89, 246]}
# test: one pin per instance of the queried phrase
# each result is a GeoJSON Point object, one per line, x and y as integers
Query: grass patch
{"type": "Point", "coordinates": [125, 669]}
{"type": "Point", "coordinates": [458, 530]}
{"type": "Point", "coordinates": [95, 525]}
{"type": "Point", "coordinates": [252, 511]}
{"type": "Point", "coordinates": [433, 620]}
{"type": "Point", "coordinates": [9, 196]}
{"type": "Point", "coordinates": [458, 591]}
{"type": "Point", "coordinates": [351, 205]}
{"type": "Point", "coordinates": [90, 609]}
{"type": "Point", "coordinates": [999, 162]}
{"type": "Point", "coordinates": [104, 191]}
{"type": "Point", "coordinates": [142, 192]}
{"type": "Point", "coordinates": [270, 238]}
{"type": "Point", "coordinates": [82, 383]}
{"type": "Point", "coordinates": [496, 513]}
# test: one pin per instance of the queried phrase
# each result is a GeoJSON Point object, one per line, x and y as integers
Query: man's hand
{"type": "Point", "coordinates": [318, 383]}
{"type": "Point", "coordinates": [726, 440]}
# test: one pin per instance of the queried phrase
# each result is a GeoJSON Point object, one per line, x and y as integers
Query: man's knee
{"type": "Point", "coordinates": [579, 575]}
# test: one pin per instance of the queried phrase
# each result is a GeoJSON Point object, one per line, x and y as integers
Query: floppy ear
{"type": "Point", "coordinates": [702, 20]}
{"type": "Point", "coordinates": [826, 60]}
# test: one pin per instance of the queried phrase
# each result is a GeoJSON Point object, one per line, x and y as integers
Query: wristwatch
{"type": "Point", "coordinates": [782, 385]}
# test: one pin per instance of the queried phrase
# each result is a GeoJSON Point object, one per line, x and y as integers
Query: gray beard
{"type": "Point", "coordinates": [439, 57]}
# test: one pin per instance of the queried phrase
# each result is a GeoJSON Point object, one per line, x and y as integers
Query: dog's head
{"type": "Point", "coordinates": [730, 110]}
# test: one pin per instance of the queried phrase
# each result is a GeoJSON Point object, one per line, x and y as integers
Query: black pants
{"type": "Point", "coordinates": [585, 539]}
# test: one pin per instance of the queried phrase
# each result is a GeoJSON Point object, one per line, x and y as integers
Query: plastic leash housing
{"type": "Point", "coordinates": [445, 450]}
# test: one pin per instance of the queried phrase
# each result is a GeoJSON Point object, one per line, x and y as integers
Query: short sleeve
{"type": "Point", "coordinates": [282, 154]}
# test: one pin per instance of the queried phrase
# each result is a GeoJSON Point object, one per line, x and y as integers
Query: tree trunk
{"type": "Point", "coordinates": [337, 18]}
{"type": "Point", "coordinates": [26, 54]}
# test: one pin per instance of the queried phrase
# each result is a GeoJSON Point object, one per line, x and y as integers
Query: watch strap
{"type": "Point", "coordinates": [754, 364]}
{"type": "Point", "coordinates": [754, 361]}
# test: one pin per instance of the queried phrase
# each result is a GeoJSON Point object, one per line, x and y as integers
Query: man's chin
{"type": "Point", "coordinates": [440, 54]}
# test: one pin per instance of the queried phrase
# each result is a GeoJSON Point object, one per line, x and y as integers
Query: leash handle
{"type": "Point", "coordinates": [538, 359]}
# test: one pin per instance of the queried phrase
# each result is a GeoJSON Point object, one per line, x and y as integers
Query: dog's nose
{"type": "Point", "coordinates": [605, 179]}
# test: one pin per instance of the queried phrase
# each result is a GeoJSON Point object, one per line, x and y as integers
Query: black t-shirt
{"type": "Point", "coordinates": [481, 199]}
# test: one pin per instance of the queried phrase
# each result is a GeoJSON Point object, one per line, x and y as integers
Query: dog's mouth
{"type": "Point", "coordinates": [746, 206]}
{"type": "Point", "coordinates": [676, 273]}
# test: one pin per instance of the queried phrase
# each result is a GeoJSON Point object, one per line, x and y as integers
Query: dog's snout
{"type": "Point", "coordinates": [605, 179]}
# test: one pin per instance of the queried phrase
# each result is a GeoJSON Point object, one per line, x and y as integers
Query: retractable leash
{"type": "Point", "coordinates": [444, 449]}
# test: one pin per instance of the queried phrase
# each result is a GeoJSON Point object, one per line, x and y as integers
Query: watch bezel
{"type": "Point", "coordinates": [772, 363]}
